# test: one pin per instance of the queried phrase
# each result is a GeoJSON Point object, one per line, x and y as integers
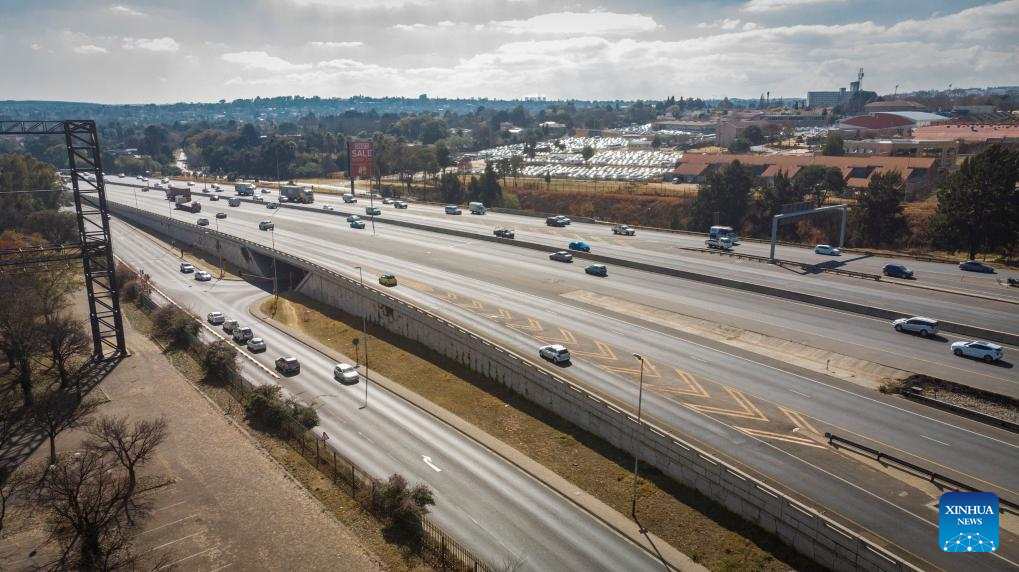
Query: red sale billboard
{"type": "Point", "coordinates": [362, 159]}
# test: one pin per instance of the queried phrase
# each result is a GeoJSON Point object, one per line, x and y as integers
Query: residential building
{"type": "Point", "coordinates": [945, 151]}
{"type": "Point", "coordinates": [972, 138]}
{"type": "Point", "coordinates": [921, 174]}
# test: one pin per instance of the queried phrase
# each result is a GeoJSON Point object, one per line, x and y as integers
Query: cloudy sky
{"type": "Point", "coordinates": [135, 51]}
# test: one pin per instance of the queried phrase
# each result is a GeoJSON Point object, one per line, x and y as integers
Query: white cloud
{"type": "Point", "coordinates": [725, 24]}
{"type": "Point", "coordinates": [165, 44]}
{"type": "Point", "coordinates": [410, 27]}
{"type": "Point", "coordinates": [592, 23]}
{"type": "Point", "coordinates": [125, 10]}
{"type": "Point", "coordinates": [776, 5]}
{"type": "Point", "coordinates": [331, 45]}
{"type": "Point", "coordinates": [750, 26]}
{"type": "Point", "coordinates": [361, 4]}
{"type": "Point", "coordinates": [262, 61]}
{"type": "Point", "coordinates": [446, 24]}
{"type": "Point", "coordinates": [35, 47]}
{"type": "Point", "coordinates": [89, 49]}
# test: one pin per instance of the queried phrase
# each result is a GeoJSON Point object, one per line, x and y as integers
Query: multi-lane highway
{"type": "Point", "coordinates": [489, 504]}
{"type": "Point", "coordinates": [754, 410]}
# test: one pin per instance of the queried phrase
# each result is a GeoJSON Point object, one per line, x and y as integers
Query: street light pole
{"type": "Point", "coordinates": [275, 284]}
{"type": "Point", "coordinates": [364, 335]}
{"type": "Point", "coordinates": [636, 454]}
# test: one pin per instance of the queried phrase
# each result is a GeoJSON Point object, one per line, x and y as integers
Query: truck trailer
{"type": "Point", "coordinates": [245, 189]}
{"type": "Point", "coordinates": [172, 194]}
{"type": "Point", "coordinates": [186, 204]}
{"type": "Point", "coordinates": [296, 194]}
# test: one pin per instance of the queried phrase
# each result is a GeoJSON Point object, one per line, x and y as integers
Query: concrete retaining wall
{"type": "Point", "coordinates": [798, 525]}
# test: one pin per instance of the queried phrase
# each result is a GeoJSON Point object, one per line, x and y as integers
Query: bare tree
{"type": "Point", "coordinates": [56, 411]}
{"type": "Point", "coordinates": [132, 445]}
{"type": "Point", "coordinates": [86, 498]}
{"type": "Point", "coordinates": [14, 482]}
{"type": "Point", "coordinates": [20, 334]}
{"type": "Point", "coordinates": [66, 339]}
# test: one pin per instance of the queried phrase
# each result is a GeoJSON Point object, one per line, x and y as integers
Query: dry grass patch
{"type": "Point", "coordinates": [689, 521]}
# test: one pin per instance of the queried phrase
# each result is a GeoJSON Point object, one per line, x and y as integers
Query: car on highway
{"type": "Point", "coordinates": [555, 353]}
{"type": "Point", "coordinates": [264, 191]}
{"type": "Point", "coordinates": [122, 175]}
{"type": "Point", "coordinates": [328, 208]}
{"type": "Point", "coordinates": [897, 271]}
{"type": "Point", "coordinates": [917, 325]}
{"type": "Point", "coordinates": [974, 266]}
{"type": "Point", "coordinates": [266, 225]}
{"type": "Point", "coordinates": [229, 325]}
{"type": "Point", "coordinates": [561, 256]}
{"type": "Point", "coordinates": [288, 365]}
{"type": "Point", "coordinates": [216, 187]}
{"type": "Point", "coordinates": [215, 318]}
{"type": "Point", "coordinates": [203, 222]}
{"type": "Point", "coordinates": [387, 201]}
{"type": "Point", "coordinates": [185, 267]}
{"type": "Point", "coordinates": [453, 209]}
{"type": "Point", "coordinates": [554, 221]}
{"type": "Point", "coordinates": [258, 199]}
{"type": "Point", "coordinates": [372, 211]}
{"type": "Point", "coordinates": [242, 334]}
{"type": "Point", "coordinates": [503, 233]}
{"type": "Point", "coordinates": [400, 204]}
{"type": "Point", "coordinates": [191, 183]}
{"type": "Point", "coordinates": [221, 215]}
{"type": "Point", "coordinates": [387, 280]}
{"type": "Point", "coordinates": [165, 181]}
{"type": "Point", "coordinates": [256, 345]}
{"type": "Point", "coordinates": [597, 270]}
{"type": "Point", "coordinates": [353, 217]}
{"type": "Point", "coordinates": [980, 350]}
{"type": "Point", "coordinates": [580, 245]}
{"type": "Point", "coordinates": [272, 205]}
{"type": "Point", "coordinates": [564, 219]}
{"type": "Point", "coordinates": [624, 230]}
{"type": "Point", "coordinates": [203, 276]}
{"type": "Point", "coordinates": [357, 224]}
{"type": "Point", "coordinates": [345, 373]}
{"type": "Point", "coordinates": [349, 199]}
{"type": "Point", "coordinates": [233, 201]}
{"type": "Point", "coordinates": [145, 179]}
{"type": "Point", "coordinates": [827, 250]}
{"type": "Point", "coordinates": [214, 198]}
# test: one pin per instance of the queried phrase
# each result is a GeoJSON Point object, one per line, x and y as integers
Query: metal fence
{"type": "Point", "coordinates": [435, 546]}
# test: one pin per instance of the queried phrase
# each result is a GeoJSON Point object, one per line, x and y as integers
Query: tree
{"type": "Point", "coordinates": [587, 152]}
{"type": "Point", "coordinates": [173, 323]}
{"type": "Point", "coordinates": [769, 203]}
{"type": "Point", "coordinates": [56, 227]}
{"type": "Point", "coordinates": [656, 142]}
{"type": "Point", "coordinates": [66, 339]}
{"type": "Point", "coordinates": [727, 192]}
{"type": "Point", "coordinates": [443, 156]}
{"type": "Point", "coordinates": [132, 445]}
{"type": "Point", "coordinates": [56, 411]}
{"type": "Point", "coordinates": [219, 359]}
{"type": "Point", "coordinates": [739, 145]}
{"type": "Point", "coordinates": [405, 506]}
{"type": "Point", "coordinates": [978, 209]}
{"type": "Point", "coordinates": [489, 191]}
{"type": "Point", "coordinates": [820, 183]}
{"type": "Point", "coordinates": [833, 145]}
{"type": "Point", "coordinates": [86, 497]}
{"type": "Point", "coordinates": [878, 220]}
{"type": "Point", "coordinates": [20, 328]}
{"type": "Point", "coordinates": [451, 189]}
{"type": "Point", "coordinates": [516, 165]}
{"type": "Point", "coordinates": [754, 135]}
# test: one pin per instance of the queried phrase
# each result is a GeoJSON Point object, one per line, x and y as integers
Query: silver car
{"type": "Point", "coordinates": [917, 325]}
{"type": "Point", "coordinates": [256, 345]}
{"type": "Point", "coordinates": [561, 256]}
{"type": "Point", "coordinates": [345, 373]}
{"type": "Point", "coordinates": [216, 318]}
{"type": "Point", "coordinates": [555, 353]}
{"type": "Point", "coordinates": [981, 350]}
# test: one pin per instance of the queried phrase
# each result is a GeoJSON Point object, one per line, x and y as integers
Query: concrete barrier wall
{"type": "Point", "coordinates": [798, 525]}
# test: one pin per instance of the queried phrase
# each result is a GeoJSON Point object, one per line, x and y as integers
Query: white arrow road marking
{"type": "Point", "coordinates": [428, 461]}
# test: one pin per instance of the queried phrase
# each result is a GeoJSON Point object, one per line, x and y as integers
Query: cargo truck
{"type": "Point", "coordinates": [719, 232]}
{"type": "Point", "coordinates": [296, 194]}
{"type": "Point", "coordinates": [186, 204]}
{"type": "Point", "coordinates": [173, 194]}
{"type": "Point", "coordinates": [245, 189]}
{"type": "Point", "coordinates": [476, 208]}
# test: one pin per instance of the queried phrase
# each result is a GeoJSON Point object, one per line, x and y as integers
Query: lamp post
{"type": "Point", "coordinates": [364, 335]}
{"type": "Point", "coordinates": [636, 455]}
{"type": "Point", "coordinates": [275, 284]}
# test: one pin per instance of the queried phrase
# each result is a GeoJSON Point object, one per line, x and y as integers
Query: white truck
{"type": "Point", "coordinates": [721, 243]}
{"type": "Point", "coordinates": [476, 208]}
{"type": "Point", "coordinates": [245, 189]}
{"type": "Point", "coordinates": [720, 232]}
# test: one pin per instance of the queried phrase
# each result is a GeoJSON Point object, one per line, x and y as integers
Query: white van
{"type": "Point", "coordinates": [476, 208]}
{"type": "Point", "coordinates": [349, 199]}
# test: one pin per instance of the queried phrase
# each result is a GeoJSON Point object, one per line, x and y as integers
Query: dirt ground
{"type": "Point", "coordinates": [690, 522]}
{"type": "Point", "coordinates": [218, 500]}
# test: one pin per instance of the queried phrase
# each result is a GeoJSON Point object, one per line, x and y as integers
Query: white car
{"type": "Point", "coordinates": [827, 250]}
{"type": "Point", "coordinates": [203, 276]}
{"type": "Point", "coordinates": [215, 318]}
{"type": "Point", "coordinates": [976, 349]}
{"type": "Point", "coordinates": [345, 373]}
{"type": "Point", "coordinates": [328, 208]}
{"type": "Point", "coordinates": [186, 267]}
{"type": "Point", "coordinates": [353, 217]}
{"type": "Point", "coordinates": [918, 325]}
{"type": "Point", "coordinates": [256, 345]}
{"type": "Point", "coordinates": [191, 183]}
{"type": "Point", "coordinates": [555, 353]}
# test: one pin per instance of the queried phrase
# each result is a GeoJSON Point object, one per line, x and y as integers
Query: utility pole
{"type": "Point", "coordinates": [636, 454]}
{"type": "Point", "coordinates": [364, 334]}
{"type": "Point", "coordinates": [275, 288]}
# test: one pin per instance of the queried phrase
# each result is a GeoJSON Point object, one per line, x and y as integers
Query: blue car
{"type": "Point", "coordinates": [580, 245]}
{"type": "Point", "coordinates": [597, 270]}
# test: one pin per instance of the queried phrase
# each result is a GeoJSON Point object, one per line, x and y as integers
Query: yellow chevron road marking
{"type": "Point", "coordinates": [747, 411]}
{"type": "Point", "coordinates": [416, 285]}
{"type": "Point", "coordinates": [566, 337]}
{"type": "Point", "coordinates": [604, 352]}
{"type": "Point", "coordinates": [501, 315]}
{"type": "Point", "coordinates": [649, 370]}
{"type": "Point", "coordinates": [798, 420]}
{"type": "Point", "coordinates": [692, 389]}
{"type": "Point", "coordinates": [779, 437]}
{"type": "Point", "coordinates": [531, 326]}
{"type": "Point", "coordinates": [474, 305]}
{"type": "Point", "coordinates": [450, 296]}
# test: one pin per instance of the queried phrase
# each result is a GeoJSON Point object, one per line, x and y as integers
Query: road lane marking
{"type": "Point", "coordinates": [935, 440]}
{"type": "Point", "coordinates": [170, 523]}
{"type": "Point", "coordinates": [164, 545]}
{"type": "Point", "coordinates": [746, 410]}
{"type": "Point", "coordinates": [170, 506]}
{"type": "Point", "coordinates": [798, 420]}
{"type": "Point", "coordinates": [799, 393]}
{"type": "Point", "coordinates": [428, 461]}
{"type": "Point", "coordinates": [779, 437]}
{"type": "Point", "coordinates": [188, 557]}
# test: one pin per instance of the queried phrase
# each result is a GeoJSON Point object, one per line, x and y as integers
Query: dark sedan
{"type": "Point", "coordinates": [974, 266]}
{"type": "Point", "coordinates": [897, 271]}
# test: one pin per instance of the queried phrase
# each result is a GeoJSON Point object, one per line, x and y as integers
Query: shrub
{"type": "Point", "coordinates": [130, 290]}
{"type": "Point", "coordinates": [405, 507]}
{"type": "Point", "coordinates": [172, 323]}
{"type": "Point", "coordinates": [124, 273]}
{"type": "Point", "coordinates": [219, 359]}
{"type": "Point", "coordinates": [303, 414]}
{"type": "Point", "coordinates": [263, 403]}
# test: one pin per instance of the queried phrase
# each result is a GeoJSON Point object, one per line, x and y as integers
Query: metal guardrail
{"type": "Point", "coordinates": [571, 387]}
{"type": "Point", "coordinates": [932, 476]}
{"type": "Point", "coordinates": [782, 262]}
